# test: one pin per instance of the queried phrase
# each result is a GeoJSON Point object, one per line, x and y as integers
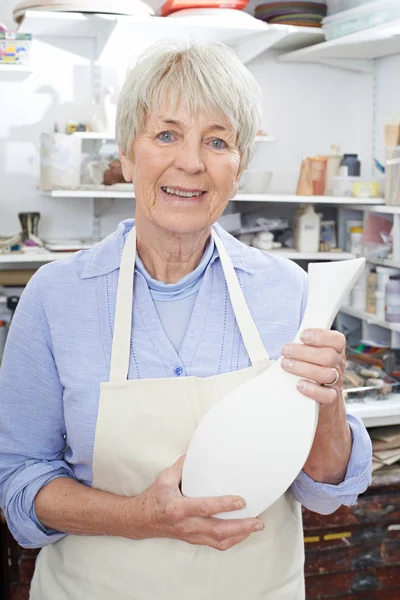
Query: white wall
{"type": "Point", "coordinates": [306, 107]}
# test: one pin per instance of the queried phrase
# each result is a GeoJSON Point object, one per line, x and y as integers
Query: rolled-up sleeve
{"type": "Point", "coordinates": [32, 427]}
{"type": "Point", "coordinates": [324, 498]}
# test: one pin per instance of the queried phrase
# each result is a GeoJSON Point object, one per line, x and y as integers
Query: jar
{"type": "Point", "coordinates": [383, 277]}
{"type": "Point", "coordinates": [372, 286]}
{"type": "Point", "coordinates": [358, 297]}
{"type": "Point", "coordinates": [392, 299]}
{"type": "Point", "coordinates": [356, 239]}
{"type": "Point", "coordinates": [350, 166]}
{"type": "Point", "coordinates": [380, 305]}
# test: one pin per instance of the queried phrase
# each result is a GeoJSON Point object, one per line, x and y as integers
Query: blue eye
{"type": "Point", "coordinates": [218, 144]}
{"type": "Point", "coordinates": [166, 136]}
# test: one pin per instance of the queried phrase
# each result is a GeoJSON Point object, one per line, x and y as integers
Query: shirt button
{"type": "Point", "coordinates": [178, 371]}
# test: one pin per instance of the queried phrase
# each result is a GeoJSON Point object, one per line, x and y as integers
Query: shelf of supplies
{"type": "Point", "coordinates": [378, 413]}
{"type": "Point", "coordinates": [384, 263]}
{"type": "Point", "coordinates": [95, 193]}
{"type": "Point", "coordinates": [14, 69]}
{"type": "Point", "coordinates": [356, 51]}
{"type": "Point", "coordinates": [108, 192]}
{"type": "Point", "coordinates": [370, 318]}
{"type": "Point", "coordinates": [32, 258]}
{"type": "Point", "coordinates": [293, 198]}
{"type": "Point", "coordinates": [296, 255]}
{"type": "Point", "coordinates": [14, 72]}
{"type": "Point", "coordinates": [383, 208]}
{"type": "Point", "coordinates": [249, 36]}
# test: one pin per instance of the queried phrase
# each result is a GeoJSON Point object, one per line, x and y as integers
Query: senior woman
{"type": "Point", "coordinates": [115, 354]}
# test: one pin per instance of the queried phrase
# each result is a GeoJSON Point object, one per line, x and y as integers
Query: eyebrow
{"type": "Point", "coordinates": [180, 124]}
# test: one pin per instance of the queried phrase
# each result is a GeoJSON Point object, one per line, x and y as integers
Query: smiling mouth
{"type": "Point", "coordinates": [183, 193]}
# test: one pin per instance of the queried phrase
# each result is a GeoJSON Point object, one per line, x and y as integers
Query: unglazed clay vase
{"type": "Point", "coordinates": [256, 440]}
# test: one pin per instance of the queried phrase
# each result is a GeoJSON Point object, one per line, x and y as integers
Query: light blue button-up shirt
{"type": "Point", "coordinates": [59, 348]}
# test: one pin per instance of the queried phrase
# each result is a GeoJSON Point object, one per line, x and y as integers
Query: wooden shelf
{"type": "Point", "coordinates": [356, 51]}
{"type": "Point", "coordinates": [370, 318]}
{"type": "Point", "coordinates": [378, 413]}
{"type": "Point", "coordinates": [249, 36]}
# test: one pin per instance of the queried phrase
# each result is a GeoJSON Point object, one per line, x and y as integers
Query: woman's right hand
{"type": "Point", "coordinates": [162, 512]}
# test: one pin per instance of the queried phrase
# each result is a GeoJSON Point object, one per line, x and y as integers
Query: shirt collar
{"type": "Point", "coordinates": [105, 257]}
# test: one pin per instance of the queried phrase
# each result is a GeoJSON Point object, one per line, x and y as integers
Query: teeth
{"type": "Point", "coordinates": [174, 192]}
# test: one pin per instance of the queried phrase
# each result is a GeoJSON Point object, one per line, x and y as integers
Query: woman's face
{"type": "Point", "coordinates": [185, 168]}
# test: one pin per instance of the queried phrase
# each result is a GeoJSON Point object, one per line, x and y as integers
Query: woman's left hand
{"type": "Point", "coordinates": [321, 358]}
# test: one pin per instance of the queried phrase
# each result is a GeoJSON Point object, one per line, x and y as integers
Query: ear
{"type": "Point", "coordinates": [126, 167]}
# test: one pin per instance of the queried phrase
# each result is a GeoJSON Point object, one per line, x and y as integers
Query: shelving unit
{"type": "Point", "coordinates": [108, 192]}
{"type": "Point", "coordinates": [370, 318]}
{"type": "Point", "coordinates": [378, 413]}
{"type": "Point", "coordinates": [384, 263]}
{"type": "Point", "coordinates": [356, 51]}
{"type": "Point", "coordinates": [43, 257]}
{"type": "Point", "coordinates": [249, 36]}
{"type": "Point", "coordinates": [14, 72]}
{"type": "Point", "coordinates": [8, 261]}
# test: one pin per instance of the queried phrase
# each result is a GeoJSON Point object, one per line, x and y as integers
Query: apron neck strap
{"type": "Point", "coordinates": [121, 345]}
{"type": "Point", "coordinates": [249, 332]}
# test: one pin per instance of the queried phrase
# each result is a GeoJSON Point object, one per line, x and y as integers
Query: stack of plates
{"type": "Point", "coordinates": [307, 14]}
{"type": "Point", "coordinates": [202, 7]}
{"type": "Point", "coordinates": [115, 7]}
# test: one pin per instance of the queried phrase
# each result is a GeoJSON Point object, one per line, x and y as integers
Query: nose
{"type": "Point", "coordinates": [190, 158]}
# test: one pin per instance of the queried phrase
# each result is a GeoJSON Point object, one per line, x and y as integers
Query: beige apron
{"type": "Point", "coordinates": [143, 427]}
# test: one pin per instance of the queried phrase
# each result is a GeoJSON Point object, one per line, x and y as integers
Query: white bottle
{"type": "Point", "coordinates": [309, 227]}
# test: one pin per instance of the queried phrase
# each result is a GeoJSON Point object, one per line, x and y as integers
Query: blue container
{"type": "Point", "coordinates": [350, 166]}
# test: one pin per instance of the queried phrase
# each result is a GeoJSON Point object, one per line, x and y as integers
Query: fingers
{"type": "Point", "coordinates": [220, 529]}
{"type": "Point", "coordinates": [322, 395]}
{"type": "Point", "coordinates": [325, 357]}
{"type": "Point", "coordinates": [321, 375]}
{"type": "Point", "coordinates": [207, 507]}
{"type": "Point", "coordinates": [322, 338]}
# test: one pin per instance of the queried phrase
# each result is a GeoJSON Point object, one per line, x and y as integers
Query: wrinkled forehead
{"type": "Point", "coordinates": [179, 114]}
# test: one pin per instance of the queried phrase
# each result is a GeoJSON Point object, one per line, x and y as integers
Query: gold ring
{"type": "Point", "coordinates": [335, 380]}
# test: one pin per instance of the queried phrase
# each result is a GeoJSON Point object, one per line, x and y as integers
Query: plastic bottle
{"type": "Point", "coordinates": [372, 286]}
{"type": "Point", "coordinates": [356, 240]}
{"type": "Point", "coordinates": [332, 168]}
{"type": "Point", "coordinates": [350, 166]}
{"type": "Point", "coordinates": [392, 299]}
{"type": "Point", "coordinates": [297, 215]}
{"type": "Point", "coordinates": [380, 305]}
{"type": "Point", "coordinates": [309, 227]}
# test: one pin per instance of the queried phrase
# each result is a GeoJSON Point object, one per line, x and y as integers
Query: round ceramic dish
{"type": "Point", "coordinates": [219, 13]}
{"type": "Point", "coordinates": [171, 7]}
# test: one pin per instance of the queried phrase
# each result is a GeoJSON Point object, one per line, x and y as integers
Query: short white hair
{"type": "Point", "coordinates": [207, 77]}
